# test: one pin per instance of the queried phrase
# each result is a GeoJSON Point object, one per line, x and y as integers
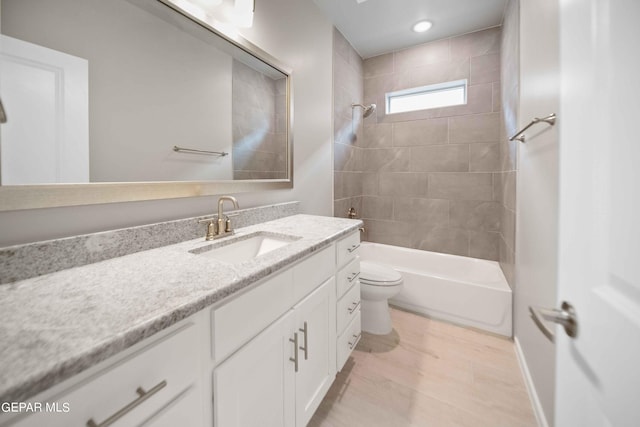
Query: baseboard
{"type": "Point", "coordinates": [531, 389]}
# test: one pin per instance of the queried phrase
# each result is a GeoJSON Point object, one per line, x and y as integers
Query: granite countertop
{"type": "Point", "coordinates": [57, 325]}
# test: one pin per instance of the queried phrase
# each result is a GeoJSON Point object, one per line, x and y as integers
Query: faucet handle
{"type": "Point", "coordinates": [211, 230]}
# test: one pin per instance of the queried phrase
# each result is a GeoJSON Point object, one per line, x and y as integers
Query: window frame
{"type": "Point", "coordinates": [428, 89]}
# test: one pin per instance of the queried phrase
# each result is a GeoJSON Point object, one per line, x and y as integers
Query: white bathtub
{"type": "Point", "coordinates": [467, 291]}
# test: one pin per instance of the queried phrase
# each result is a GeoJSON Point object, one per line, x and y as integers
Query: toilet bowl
{"type": "Point", "coordinates": [378, 283]}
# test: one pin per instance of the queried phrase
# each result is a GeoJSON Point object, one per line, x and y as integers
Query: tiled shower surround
{"type": "Point", "coordinates": [347, 126]}
{"type": "Point", "coordinates": [259, 124]}
{"type": "Point", "coordinates": [429, 179]}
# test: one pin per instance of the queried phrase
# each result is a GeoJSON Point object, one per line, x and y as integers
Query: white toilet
{"type": "Point", "coordinates": [378, 283]}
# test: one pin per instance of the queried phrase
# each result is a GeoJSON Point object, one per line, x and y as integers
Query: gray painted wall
{"type": "Point", "coordinates": [537, 193]}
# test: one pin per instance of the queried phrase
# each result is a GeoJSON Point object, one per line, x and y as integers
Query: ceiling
{"type": "Point", "coordinates": [375, 27]}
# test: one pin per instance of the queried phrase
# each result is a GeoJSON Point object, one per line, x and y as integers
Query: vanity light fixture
{"type": "Point", "coordinates": [422, 26]}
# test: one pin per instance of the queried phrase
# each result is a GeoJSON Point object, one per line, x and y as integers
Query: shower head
{"type": "Point", "coordinates": [367, 109]}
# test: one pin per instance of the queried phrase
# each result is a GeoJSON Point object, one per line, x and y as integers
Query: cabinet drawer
{"type": "Point", "coordinates": [184, 410]}
{"type": "Point", "coordinates": [165, 369]}
{"type": "Point", "coordinates": [310, 273]}
{"type": "Point", "coordinates": [348, 306]}
{"type": "Point", "coordinates": [348, 341]}
{"type": "Point", "coordinates": [239, 320]}
{"type": "Point", "coordinates": [347, 277]}
{"type": "Point", "coordinates": [348, 248]}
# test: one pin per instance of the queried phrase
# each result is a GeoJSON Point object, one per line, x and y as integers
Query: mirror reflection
{"type": "Point", "coordinates": [132, 91]}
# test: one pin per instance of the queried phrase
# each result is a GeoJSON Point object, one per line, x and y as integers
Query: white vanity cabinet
{"type": "Point", "coordinates": [348, 327]}
{"type": "Point", "coordinates": [265, 356]}
{"type": "Point", "coordinates": [280, 376]}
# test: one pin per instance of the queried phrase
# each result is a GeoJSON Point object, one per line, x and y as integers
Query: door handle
{"type": "Point", "coordinates": [305, 348]}
{"type": "Point", "coordinates": [565, 316]}
{"type": "Point", "coordinates": [142, 396]}
{"type": "Point", "coordinates": [3, 115]}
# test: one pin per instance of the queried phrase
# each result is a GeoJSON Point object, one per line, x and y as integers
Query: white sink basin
{"type": "Point", "coordinates": [244, 248]}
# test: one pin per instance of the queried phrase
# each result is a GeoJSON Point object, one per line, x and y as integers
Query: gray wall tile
{"type": "Point", "coordinates": [484, 69]}
{"type": "Point", "coordinates": [484, 244]}
{"type": "Point", "coordinates": [475, 215]}
{"type": "Point", "coordinates": [377, 207]}
{"type": "Point", "coordinates": [386, 159]}
{"type": "Point", "coordinates": [442, 239]}
{"type": "Point", "coordinates": [370, 184]}
{"type": "Point", "coordinates": [347, 158]}
{"type": "Point", "coordinates": [423, 54]}
{"type": "Point", "coordinates": [497, 98]}
{"type": "Point", "coordinates": [461, 186]}
{"type": "Point", "coordinates": [423, 211]}
{"type": "Point", "coordinates": [378, 65]}
{"type": "Point", "coordinates": [403, 184]}
{"type": "Point", "coordinates": [439, 73]}
{"type": "Point", "coordinates": [509, 190]}
{"type": "Point", "coordinates": [440, 158]}
{"type": "Point", "coordinates": [476, 44]}
{"type": "Point", "coordinates": [377, 136]}
{"type": "Point", "coordinates": [388, 232]}
{"type": "Point", "coordinates": [484, 157]}
{"type": "Point", "coordinates": [475, 128]}
{"type": "Point", "coordinates": [420, 132]}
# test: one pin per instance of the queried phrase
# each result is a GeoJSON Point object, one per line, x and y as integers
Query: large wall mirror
{"type": "Point", "coordinates": [121, 100]}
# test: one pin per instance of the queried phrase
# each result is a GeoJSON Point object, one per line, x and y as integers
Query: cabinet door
{"type": "Point", "coordinates": [256, 385]}
{"type": "Point", "coordinates": [316, 349]}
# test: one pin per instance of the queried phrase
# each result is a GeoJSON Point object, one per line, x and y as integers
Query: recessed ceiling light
{"type": "Point", "coordinates": [360, 1]}
{"type": "Point", "coordinates": [422, 26]}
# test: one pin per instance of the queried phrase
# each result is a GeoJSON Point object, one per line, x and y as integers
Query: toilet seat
{"type": "Point", "coordinates": [373, 274]}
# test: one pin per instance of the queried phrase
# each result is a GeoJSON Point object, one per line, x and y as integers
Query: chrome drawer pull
{"type": "Point", "coordinates": [353, 276]}
{"type": "Point", "coordinates": [356, 341]}
{"type": "Point", "coordinates": [294, 359]}
{"type": "Point", "coordinates": [354, 307]}
{"type": "Point", "coordinates": [305, 348]}
{"type": "Point", "coordinates": [353, 248]}
{"type": "Point", "coordinates": [143, 395]}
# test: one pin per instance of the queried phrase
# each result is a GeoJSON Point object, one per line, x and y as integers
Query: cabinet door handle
{"type": "Point", "coordinates": [305, 348]}
{"type": "Point", "coordinates": [353, 276]}
{"type": "Point", "coordinates": [353, 248]}
{"type": "Point", "coordinates": [355, 341]}
{"type": "Point", "coordinates": [294, 359]}
{"type": "Point", "coordinates": [354, 307]}
{"type": "Point", "coordinates": [142, 396]}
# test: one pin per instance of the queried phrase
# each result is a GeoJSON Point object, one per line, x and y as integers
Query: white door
{"type": "Point", "coordinates": [45, 97]}
{"type": "Point", "coordinates": [255, 387]}
{"type": "Point", "coordinates": [317, 367]}
{"type": "Point", "coordinates": [598, 372]}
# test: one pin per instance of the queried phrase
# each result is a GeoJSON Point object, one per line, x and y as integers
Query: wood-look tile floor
{"type": "Point", "coordinates": [428, 373]}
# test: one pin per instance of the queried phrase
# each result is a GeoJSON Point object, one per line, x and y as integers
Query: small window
{"type": "Point", "coordinates": [425, 97]}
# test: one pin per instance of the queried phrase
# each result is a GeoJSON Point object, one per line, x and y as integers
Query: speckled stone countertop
{"type": "Point", "coordinates": [59, 324]}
